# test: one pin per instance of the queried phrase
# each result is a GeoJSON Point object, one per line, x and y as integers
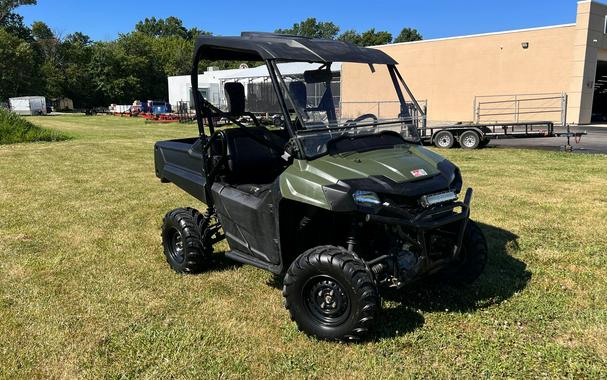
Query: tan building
{"type": "Point", "coordinates": [455, 75]}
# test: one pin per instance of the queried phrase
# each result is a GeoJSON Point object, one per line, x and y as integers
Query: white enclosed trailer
{"type": "Point", "coordinates": [211, 82]}
{"type": "Point", "coordinates": [28, 105]}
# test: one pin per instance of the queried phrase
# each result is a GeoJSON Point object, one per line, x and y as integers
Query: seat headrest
{"type": "Point", "coordinates": [235, 96]}
{"type": "Point", "coordinates": [299, 93]}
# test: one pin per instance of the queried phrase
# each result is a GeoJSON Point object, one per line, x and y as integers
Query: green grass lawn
{"type": "Point", "coordinates": [85, 291]}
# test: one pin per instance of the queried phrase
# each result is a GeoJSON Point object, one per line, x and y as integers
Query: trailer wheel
{"type": "Point", "coordinates": [484, 143]}
{"type": "Point", "coordinates": [470, 140]}
{"type": "Point", "coordinates": [444, 139]}
{"type": "Point", "coordinates": [182, 242]}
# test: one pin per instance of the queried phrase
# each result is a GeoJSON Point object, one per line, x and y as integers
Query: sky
{"type": "Point", "coordinates": [104, 20]}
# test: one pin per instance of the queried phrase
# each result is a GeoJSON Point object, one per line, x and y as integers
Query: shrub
{"type": "Point", "coordinates": [15, 129]}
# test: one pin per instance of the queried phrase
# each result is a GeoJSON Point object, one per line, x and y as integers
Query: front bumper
{"type": "Point", "coordinates": [431, 219]}
{"type": "Point", "coordinates": [428, 219]}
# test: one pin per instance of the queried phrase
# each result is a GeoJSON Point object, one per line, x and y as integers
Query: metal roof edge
{"type": "Point", "coordinates": [479, 35]}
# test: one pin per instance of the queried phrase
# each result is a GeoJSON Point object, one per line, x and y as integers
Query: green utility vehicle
{"type": "Point", "coordinates": [344, 202]}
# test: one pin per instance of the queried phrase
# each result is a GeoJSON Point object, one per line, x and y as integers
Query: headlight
{"type": "Point", "coordinates": [433, 199]}
{"type": "Point", "coordinates": [366, 199]}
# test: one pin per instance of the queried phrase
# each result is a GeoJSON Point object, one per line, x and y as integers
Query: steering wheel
{"type": "Point", "coordinates": [353, 123]}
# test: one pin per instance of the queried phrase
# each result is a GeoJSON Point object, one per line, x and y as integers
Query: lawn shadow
{"type": "Point", "coordinates": [503, 277]}
{"type": "Point", "coordinates": [220, 263]}
{"type": "Point", "coordinates": [276, 281]}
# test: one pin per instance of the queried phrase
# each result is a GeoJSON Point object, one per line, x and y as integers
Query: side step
{"type": "Point", "coordinates": [247, 259]}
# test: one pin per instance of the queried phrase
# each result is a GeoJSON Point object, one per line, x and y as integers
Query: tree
{"type": "Point", "coordinates": [17, 66]}
{"type": "Point", "coordinates": [48, 56]}
{"type": "Point", "coordinates": [77, 83]}
{"type": "Point", "coordinates": [150, 27]}
{"type": "Point", "coordinates": [173, 27]}
{"type": "Point", "coordinates": [169, 27]}
{"type": "Point", "coordinates": [41, 31]}
{"type": "Point", "coordinates": [78, 39]}
{"type": "Point", "coordinates": [136, 65]}
{"type": "Point", "coordinates": [373, 38]}
{"type": "Point", "coordinates": [8, 6]}
{"type": "Point", "coordinates": [13, 24]}
{"type": "Point", "coordinates": [194, 33]}
{"type": "Point", "coordinates": [115, 74]}
{"type": "Point", "coordinates": [174, 55]}
{"type": "Point", "coordinates": [313, 29]}
{"type": "Point", "coordinates": [350, 36]}
{"type": "Point", "coordinates": [45, 44]}
{"type": "Point", "coordinates": [368, 38]}
{"type": "Point", "coordinates": [408, 35]}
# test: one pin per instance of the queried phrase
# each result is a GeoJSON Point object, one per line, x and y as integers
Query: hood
{"type": "Point", "coordinates": [403, 163]}
{"type": "Point", "coordinates": [406, 170]}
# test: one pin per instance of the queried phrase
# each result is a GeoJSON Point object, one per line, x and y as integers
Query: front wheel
{"type": "Point", "coordinates": [331, 294]}
{"type": "Point", "coordinates": [473, 257]}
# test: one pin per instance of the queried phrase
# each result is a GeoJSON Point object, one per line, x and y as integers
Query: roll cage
{"type": "Point", "coordinates": [273, 48]}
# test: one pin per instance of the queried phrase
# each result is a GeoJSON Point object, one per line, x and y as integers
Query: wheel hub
{"type": "Point", "coordinates": [444, 141]}
{"type": "Point", "coordinates": [176, 249]}
{"type": "Point", "coordinates": [326, 300]}
{"type": "Point", "coordinates": [469, 141]}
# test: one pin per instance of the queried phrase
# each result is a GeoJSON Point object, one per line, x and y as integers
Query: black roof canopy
{"type": "Point", "coordinates": [255, 46]}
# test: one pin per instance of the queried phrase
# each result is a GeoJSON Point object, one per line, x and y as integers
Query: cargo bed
{"type": "Point", "coordinates": [180, 162]}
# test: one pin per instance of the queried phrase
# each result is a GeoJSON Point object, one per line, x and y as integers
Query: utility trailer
{"type": "Point", "coordinates": [473, 136]}
{"type": "Point", "coordinates": [503, 117]}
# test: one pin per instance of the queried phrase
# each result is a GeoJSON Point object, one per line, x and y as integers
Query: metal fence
{"type": "Point", "coordinates": [521, 108]}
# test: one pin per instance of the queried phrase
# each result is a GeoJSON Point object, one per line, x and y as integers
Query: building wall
{"type": "Point", "coordinates": [450, 73]}
{"type": "Point", "coordinates": [590, 45]}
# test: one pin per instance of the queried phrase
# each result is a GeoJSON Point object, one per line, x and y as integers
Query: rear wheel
{"type": "Point", "coordinates": [444, 139]}
{"type": "Point", "coordinates": [182, 243]}
{"type": "Point", "coordinates": [331, 294]}
{"type": "Point", "coordinates": [484, 143]}
{"type": "Point", "coordinates": [470, 140]}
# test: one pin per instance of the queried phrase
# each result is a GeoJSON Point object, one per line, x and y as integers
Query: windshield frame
{"type": "Point", "coordinates": [299, 134]}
